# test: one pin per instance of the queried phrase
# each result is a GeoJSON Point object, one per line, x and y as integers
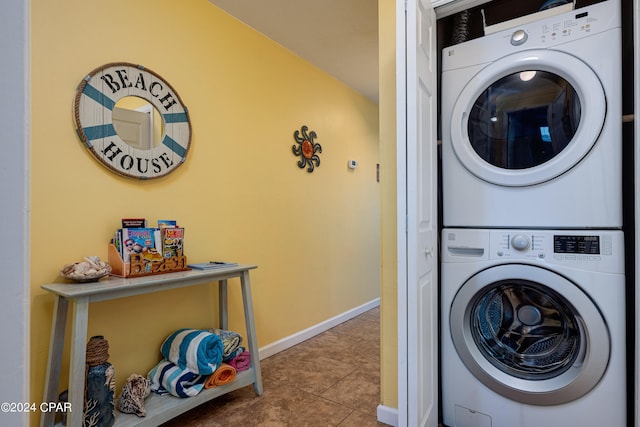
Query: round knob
{"type": "Point", "coordinates": [520, 242]}
{"type": "Point", "coordinates": [519, 37]}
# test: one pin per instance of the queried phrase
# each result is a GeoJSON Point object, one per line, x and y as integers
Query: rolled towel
{"type": "Point", "coordinates": [241, 362]}
{"type": "Point", "coordinates": [166, 377]}
{"type": "Point", "coordinates": [238, 351]}
{"type": "Point", "coordinates": [198, 351]}
{"type": "Point", "coordinates": [230, 341]}
{"type": "Point", "coordinates": [223, 375]}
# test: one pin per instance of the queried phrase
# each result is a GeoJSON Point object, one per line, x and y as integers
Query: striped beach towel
{"type": "Point", "coordinates": [197, 351]}
{"type": "Point", "coordinates": [168, 378]}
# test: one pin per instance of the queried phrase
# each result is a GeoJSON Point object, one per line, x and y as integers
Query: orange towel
{"type": "Point", "coordinates": [223, 375]}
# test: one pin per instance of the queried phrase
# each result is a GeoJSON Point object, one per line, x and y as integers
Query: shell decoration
{"type": "Point", "coordinates": [89, 270]}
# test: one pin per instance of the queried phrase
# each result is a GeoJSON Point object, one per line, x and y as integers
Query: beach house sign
{"type": "Point", "coordinates": [122, 137]}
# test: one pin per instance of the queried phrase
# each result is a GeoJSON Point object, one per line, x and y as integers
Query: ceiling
{"type": "Point", "coordinates": [338, 36]}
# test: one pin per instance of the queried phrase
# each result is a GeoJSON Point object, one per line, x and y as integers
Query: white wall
{"type": "Point", "coordinates": [14, 208]}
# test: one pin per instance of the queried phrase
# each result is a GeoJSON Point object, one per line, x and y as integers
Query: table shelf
{"type": "Point", "coordinates": [159, 408]}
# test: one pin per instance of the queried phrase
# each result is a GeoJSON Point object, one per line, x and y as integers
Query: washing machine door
{"type": "Point", "coordinates": [529, 334]}
{"type": "Point", "coordinates": [528, 117]}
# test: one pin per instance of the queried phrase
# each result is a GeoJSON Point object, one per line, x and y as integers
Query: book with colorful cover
{"type": "Point", "coordinates": [139, 241]}
{"type": "Point", "coordinates": [134, 223]}
{"type": "Point", "coordinates": [116, 240]}
{"type": "Point", "coordinates": [172, 242]}
{"type": "Point", "coordinates": [167, 223]}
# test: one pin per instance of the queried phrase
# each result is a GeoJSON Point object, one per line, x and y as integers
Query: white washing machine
{"type": "Point", "coordinates": [531, 124]}
{"type": "Point", "coordinates": [533, 328]}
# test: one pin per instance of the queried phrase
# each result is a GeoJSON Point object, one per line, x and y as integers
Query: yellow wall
{"type": "Point", "coordinates": [240, 194]}
{"type": "Point", "coordinates": [389, 271]}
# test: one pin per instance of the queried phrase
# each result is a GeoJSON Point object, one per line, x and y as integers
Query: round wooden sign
{"type": "Point", "coordinates": [104, 132]}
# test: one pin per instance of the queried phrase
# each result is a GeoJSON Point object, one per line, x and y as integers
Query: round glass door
{"type": "Point", "coordinates": [528, 118]}
{"type": "Point", "coordinates": [526, 330]}
{"type": "Point", "coordinates": [528, 334]}
{"type": "Point", "coordinates": [524, 119]}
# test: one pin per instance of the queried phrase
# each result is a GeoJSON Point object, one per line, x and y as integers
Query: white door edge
{"type": "Point", "coordinates": [636, 125]}
{"type": "Point", "coordinates": [401, 174]}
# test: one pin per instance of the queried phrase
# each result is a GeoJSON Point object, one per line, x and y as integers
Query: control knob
{"type": "Point", "coordinates": [520, 242]}
{"type": "Point", "coordinates": [519, 37]}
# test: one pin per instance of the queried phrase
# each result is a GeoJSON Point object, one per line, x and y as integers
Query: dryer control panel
{"type": "Point", "coordinates": [595, 250]}
{"type": "Point", "coordinates": [552, 30]}
{"type": "Point", "coordinates": [565, 27]}
{"type": "Point", "coordinates": [537, 34]}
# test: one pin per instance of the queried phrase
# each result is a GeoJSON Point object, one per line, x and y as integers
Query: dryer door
{"type": "Point", "coordinates": [529, 334]}
{"type": "Point", "coordinates": [528, 117]}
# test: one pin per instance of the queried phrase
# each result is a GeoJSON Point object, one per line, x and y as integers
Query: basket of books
{"type": "Point", "coordinates": [137, 250]}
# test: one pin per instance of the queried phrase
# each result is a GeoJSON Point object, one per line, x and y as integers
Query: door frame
{"type": "Point", "coordinates": [636, 130]}
{"type": "Point", "coordinates": [442, 8]}
{"type": "Point", "coordinates": [14, 189]}
{"type": "Point", "coordinates": [417, 233]}
{"type": "Point", "coordinates": [402, 195]}
{"type": "Point", "coordinates": [445, 8]}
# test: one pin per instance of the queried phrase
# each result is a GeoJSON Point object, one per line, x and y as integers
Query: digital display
{"type": "Point", "coordinates": [576, 245]}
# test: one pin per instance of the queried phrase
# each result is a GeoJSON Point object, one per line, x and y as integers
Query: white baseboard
{"type": "Point", "coordinates": [297, 338]}
{"type": "Point", "coordinates": [388, 415]}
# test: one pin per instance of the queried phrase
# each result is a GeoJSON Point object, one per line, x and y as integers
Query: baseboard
{"type": "Point", "coordinates": [388, 415]}
{"type": "Point", "coordinates": [297, 338]}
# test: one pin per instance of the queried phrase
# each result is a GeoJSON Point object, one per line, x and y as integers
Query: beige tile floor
{"type": "Point", "coordinates": [332, 379]}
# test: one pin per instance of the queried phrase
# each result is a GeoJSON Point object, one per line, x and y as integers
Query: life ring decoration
{"type": "Point", "coordinates": [95, 100]}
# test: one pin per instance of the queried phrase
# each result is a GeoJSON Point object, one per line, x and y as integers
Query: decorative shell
{"type": "Point", "coordinates": [89, 270]}
{"type": "Point", "coordinates": [134, 392]}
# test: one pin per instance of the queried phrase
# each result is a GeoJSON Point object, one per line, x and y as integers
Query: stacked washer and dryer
{"type": "Point", "coordinates": [532, 280]}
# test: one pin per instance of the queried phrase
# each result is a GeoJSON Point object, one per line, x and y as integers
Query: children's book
{"type": "Point", "coordinates": [172, 242]}
{"type": "Point", "coordinates": [139, 241]}
{"type": "Point", "coordinates": [116, 240]}
{"type": "Point", "coordinates": [167, 223]}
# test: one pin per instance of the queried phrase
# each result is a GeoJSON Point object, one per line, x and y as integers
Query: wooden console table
{"type": "Point", "coordinates": [159, 408]}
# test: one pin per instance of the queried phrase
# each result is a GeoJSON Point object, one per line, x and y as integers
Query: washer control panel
{"type": "Point", "coordinates": [597, 250]}
{"type": "Point", "coordinates": [560, 245]}
{"type": "Point", "coordinates": [567, 247]}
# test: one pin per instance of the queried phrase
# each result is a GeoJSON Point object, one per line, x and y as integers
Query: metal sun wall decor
{"type": "Point", "coordinates": [306, 149]}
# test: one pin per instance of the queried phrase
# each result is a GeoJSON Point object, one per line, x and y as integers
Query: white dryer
{"type": "Point", "coordinates": [533, 328]}
{"type": "Point", "coordinates": [531, 124]}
